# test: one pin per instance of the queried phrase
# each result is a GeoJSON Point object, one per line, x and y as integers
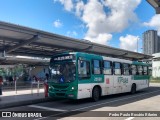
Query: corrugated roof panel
{"type": "Point", "coordinates": [47, 42]}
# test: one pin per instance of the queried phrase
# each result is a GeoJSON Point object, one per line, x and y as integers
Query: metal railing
{"type": "Point", "coordinates": [23, 85]}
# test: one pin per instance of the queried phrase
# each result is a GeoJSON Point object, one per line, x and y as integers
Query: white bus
{"type": "Point", "coordinates": [81, 75]}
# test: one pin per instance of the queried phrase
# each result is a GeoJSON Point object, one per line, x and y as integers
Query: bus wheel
{"type": "Point", "coordinates": [95, 94]}
{"type": "Point", "coordinates": [133, 89]}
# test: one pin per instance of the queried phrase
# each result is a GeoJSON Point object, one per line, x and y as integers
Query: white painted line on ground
{"type": "Point", "coordinates": [99, 104]}
{"type": "Point", "coordinates": [130, 118]}
{"type": "Point", "coordinates": [41, 118]}
{"type": "Point", "coordinates": [46, 108]}
{"type": "Point", "coordinates": [115, 100]}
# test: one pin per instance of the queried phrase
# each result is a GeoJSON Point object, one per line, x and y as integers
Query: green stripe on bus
{"type": "Point", "coordinates": [141, 63]}
{"type": "Point", "coordinates": [141, 77]}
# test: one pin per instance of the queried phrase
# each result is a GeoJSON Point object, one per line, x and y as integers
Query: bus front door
{"type": "Point", "coordinates": [84, 79]}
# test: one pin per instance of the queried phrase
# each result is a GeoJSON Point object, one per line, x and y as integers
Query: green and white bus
{"type": "Point", "coordinates": [80, 75]}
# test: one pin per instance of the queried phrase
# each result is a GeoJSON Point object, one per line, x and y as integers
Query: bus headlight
{"type": "Point", "coordinates": [51, 87]}
{"type": "Point", "coordinates": [72, 88]}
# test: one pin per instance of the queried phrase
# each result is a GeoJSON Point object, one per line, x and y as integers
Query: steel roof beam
{"type": "Point", "coordinates": [43, 44]}
{"type": "Point", "coordinates": [13, 48]}
{"type": "Point", "coordinates": [155, 4]}
{"type": "Point", "coordinates": [33, 53]}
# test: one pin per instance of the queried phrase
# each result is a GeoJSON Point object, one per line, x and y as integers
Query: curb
{"type": "Point", "coordinates": [27, 102]}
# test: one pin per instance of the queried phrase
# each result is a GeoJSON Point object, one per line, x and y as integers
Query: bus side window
{"type": "Point", "coordinates": [125, 68]}
{"type": "Point", "coordinates": [83, 69]}
{"type": "Point", "coordinates": [107, 67]}
{"type": "Point", "coordinates": [134, 70]}
{"type": "Point", "coordinates": [140, 69]}
{"type": "Point", "coordinates": [96, 67]}
{"type": "Point", "coordinates": [117, 68]}
{"type": "Point", "coordinates": [145, 70]}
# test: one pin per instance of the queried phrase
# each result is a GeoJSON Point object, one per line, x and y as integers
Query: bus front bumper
{"type": "Point", "coordinates": [68, 94]}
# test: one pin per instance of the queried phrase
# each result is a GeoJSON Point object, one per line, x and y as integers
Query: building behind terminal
{"type": "Point", "coordinates": [151, 42]}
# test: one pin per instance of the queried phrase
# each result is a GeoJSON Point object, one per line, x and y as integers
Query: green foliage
{"type": "Point", "coordinates": [155, 78]}
{"type": "Point", "coordinates": [2, 72]}
{"type": "Point", "coordinates": [17, 70]}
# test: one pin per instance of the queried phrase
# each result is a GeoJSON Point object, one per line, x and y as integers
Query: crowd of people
{"type": "Point", "coordinates": [10, 80]}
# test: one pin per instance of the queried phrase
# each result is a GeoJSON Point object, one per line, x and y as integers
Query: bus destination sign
{"type": "Point", "coordinates": [66, 57]}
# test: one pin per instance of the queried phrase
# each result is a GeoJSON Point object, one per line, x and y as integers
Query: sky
{"type": "Point", "coordinates": [116, 23]}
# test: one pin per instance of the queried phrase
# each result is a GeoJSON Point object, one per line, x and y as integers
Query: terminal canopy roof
{"type": "Point", "coordinates": [20, 40]}
{"type": "Point", "coordinates": [155, 4]}
{"type": "Point", "coordinates": [11, 60]}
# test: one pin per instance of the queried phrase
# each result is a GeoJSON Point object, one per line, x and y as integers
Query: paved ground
{"type": "Point", "coordinates": [146, 100]}
{"type": "Point", "coordinates": [22, 86]}
{"type": "Point", "coordinates": [21, 97]}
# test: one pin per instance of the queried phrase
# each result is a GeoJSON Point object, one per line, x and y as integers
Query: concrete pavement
{"type": "Point", "coordinates": [146, 100]}
{"type": "Point", "coordinates": [22, 97]}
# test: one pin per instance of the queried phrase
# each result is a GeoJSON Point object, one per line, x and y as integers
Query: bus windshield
{"type": "Point", "coordinates": [63, 72]}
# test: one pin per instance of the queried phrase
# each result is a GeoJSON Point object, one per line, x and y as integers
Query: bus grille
{"type": "Point", "coordinates": [60, 94]}
{"type": "Point", "coordinates": [60, 86]}
{"type": "Point", "coordinates": [60, 90]}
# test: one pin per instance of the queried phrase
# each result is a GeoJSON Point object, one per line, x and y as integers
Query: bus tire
{"type": "Point", "coordinates": [133, 88]}
{"type": "Point", "coordinates": [95, 94]}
